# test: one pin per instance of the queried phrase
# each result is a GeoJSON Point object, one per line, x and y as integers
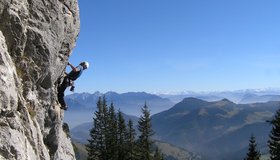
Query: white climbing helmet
{"type": "Point", "coordinates": [86, 64]}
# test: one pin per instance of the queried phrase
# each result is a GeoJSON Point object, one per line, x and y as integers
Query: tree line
{"type": "Point", "coordinates": [273, 142]}
{"type": "Point", "coordinates": [111, 138]}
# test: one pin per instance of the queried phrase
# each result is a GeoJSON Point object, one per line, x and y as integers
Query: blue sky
{"type": "Point", "coordinates": [178, 45]}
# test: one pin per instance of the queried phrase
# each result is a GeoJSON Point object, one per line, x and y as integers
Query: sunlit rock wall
{"type": "Point", "coordinates": [36, 39]}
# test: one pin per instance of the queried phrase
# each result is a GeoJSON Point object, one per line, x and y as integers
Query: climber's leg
{"type": "Point", "coordinates": [60, 95]}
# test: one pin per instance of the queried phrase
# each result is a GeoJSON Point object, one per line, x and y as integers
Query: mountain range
{"type": "Point", "coordinates": [83, 105]}
{"type": "Point", "coordinates": [215, 129]}
{"type": "Point", "coordinates": [130, 102]}
{"type": "Point", "coordinates": [238, 96]}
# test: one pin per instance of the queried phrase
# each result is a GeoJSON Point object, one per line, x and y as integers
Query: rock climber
{"type": "Point", "coordinates": [69, 81]}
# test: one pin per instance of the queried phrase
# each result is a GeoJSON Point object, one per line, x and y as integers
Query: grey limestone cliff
{"type": "Point", "coordinates": [36, 39]}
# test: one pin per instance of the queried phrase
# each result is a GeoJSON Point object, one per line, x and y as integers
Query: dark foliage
{"type": "Point", "coordinates": [274, 137]}
{"type": "Point", "coordinates": [253, 152]}
{"type": "Point", "coordinates": [112, 139]}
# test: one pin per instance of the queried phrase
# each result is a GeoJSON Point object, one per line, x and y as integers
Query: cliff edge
{"type": "Point", "coordinates": [36, 39]}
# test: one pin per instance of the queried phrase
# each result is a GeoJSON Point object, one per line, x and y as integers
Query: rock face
{"type": "Point", "coordinates": [36, 39]}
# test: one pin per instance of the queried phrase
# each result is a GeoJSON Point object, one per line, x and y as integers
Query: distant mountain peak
{"type": "Point", "coordinates": [97, 93]}
{"type": "Point", "coordinates": [111, 93]}
{"type": "Point", "coordinates": [226, 100]}
{"type": "Point", "coordinates": [223, 103]}
{"type": "Point", "coordinates": [190, 103]}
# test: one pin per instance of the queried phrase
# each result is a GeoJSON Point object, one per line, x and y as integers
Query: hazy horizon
{"type": "Point", "coordinates": [269, 89]}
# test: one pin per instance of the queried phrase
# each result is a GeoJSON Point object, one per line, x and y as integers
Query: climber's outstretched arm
{"type": "Point", "coordinates": [72, 67]}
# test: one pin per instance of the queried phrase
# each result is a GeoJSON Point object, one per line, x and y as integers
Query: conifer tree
{"type": "Point", "coordinates": [96, 147]}
{"type": "Point", "coordinates": [274, 137]}
{"type": "Point", "coordinates": [112, 139]}
{"type": "Point", "coordinates": [253, 152]}
{"type": "Point", "coordinates": [131, 144]}
{"type": "Point", "coordinates": [105, 125]}
{"type": "Point", "coordinates": [145, 129]}
{"type": "Point", "coordinates": [111, 136]}
{"type": "Point", "coordinates": [121, 133]}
